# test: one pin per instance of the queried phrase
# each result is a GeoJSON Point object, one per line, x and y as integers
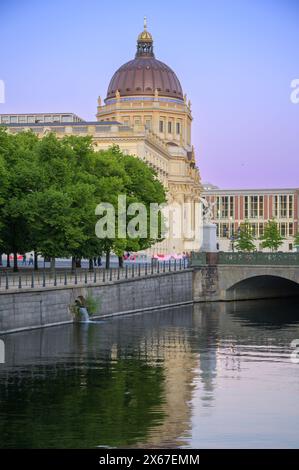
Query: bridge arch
{"type": "Point", "coordinates": [262, 285]}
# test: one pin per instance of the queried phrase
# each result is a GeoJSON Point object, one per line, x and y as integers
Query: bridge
{"type": "Point", "coordinates": [244, 276]}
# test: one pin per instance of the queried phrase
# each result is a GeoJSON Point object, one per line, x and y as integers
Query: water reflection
{"type": "Point", "coordinates": [208, 376]}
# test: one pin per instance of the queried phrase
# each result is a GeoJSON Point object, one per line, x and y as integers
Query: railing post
{"type": "Point", "coordinates": [139, 270]}
{"type": "Point", "coordinates": [126, 275]}
{"type": "Point", "coordinates": [6, 280]}
{"type": "Point", "coordinates": [145, 269]}
{"type": "Point", "coordinates": [85, 277]}
{"type": "Point", "coordinates": [110, 275]}
{"type": "Point", "coordinates": [175, 264]}
{"type": "Point", "coordinates": [118, 274]}
{"type": "Point", "coordinates": [55, 279]}
{"type": "Point", "coordinates": [152, 266]}
{"type": "Point", "coordinates": [104, 275]}
{"type": "Point", "coordinates": [20, 282]}
{"type": "Point", "coordinates": [44, 279]}
{"type": "Point", "coordinates": [164, 266]}
{"type": "Point", "coordinates": [32, 279]}
{"type": "Point", "coordinates": [158, 267]}
{"type": "Point", "coordinates": [65, 278]}
{"type": "Point", "coordinates": [95, 276]}
{"type": "Point", "coordinates": [180, 264]}
{"type": "Point", "coordinates": [169, 265]}
{"type": "Point", "coordinates": [76, 278]}
{"type": "Point", "coordinates": [133, 271]}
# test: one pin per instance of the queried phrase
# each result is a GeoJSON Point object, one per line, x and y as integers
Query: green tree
{"type": "Point", "coordinates": [271, 238]}
{"type": "Point", "coordinates": [51, 187]}
{"type": "Point", "coordinates": [21, 173]}
{"type": "Point", "coordinates": [245, 240]}
{"type": "Point", "coordinates": [296, 240]}
{"type": "Point", "coordinates": [140, 184]}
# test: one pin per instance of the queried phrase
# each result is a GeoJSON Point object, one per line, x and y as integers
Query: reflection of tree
{"type": "Point", "coordinates": [110, 405]}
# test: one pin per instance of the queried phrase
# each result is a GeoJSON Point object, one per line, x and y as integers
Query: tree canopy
{"type": "Point", "coordinates": [245, 240]}
{"type": "Point", "coordinates": [50, 188]}
{"type": "Point", "coordinates": [271, 237]}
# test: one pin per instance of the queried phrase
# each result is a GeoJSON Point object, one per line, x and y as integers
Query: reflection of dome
{"type": "Point", "coordinates": [145, 74]}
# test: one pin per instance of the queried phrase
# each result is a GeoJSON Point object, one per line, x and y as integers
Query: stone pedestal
{"type": "Point", "coordinates": [209, 243]}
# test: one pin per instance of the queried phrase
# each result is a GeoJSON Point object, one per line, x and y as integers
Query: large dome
{"type": "Point", "coordinates": [145, 74]}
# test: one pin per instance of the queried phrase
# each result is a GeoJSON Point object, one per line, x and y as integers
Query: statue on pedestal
{"type": "Point", "coordinates": [207, 210]}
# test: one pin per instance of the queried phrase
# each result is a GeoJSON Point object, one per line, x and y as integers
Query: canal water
{"type": "Point", "coordinates": [212, 375]}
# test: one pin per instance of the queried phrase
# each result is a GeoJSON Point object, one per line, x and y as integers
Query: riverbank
{"type": "Point", "coordinates": [30, 308]}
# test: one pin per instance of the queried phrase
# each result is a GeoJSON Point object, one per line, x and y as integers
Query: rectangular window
{"type": "Point", "coordinates": [161, 126]}
{"type": "Point", "coordinates": [231, 206]}
{"type": "Point", "coordinates": [253, 207]}
{"type": "Point", "coordinates": [275, 208]}
{"type": "Point", "coordinates": [224, 230]}
{"type": "Point", "coordinates": [283, 207]}
{"type": "Point", "coordinates": [291, 229]}
{"type": "Point", "coordinates": [253, 228]}
{"type": "Point", "coordinates": [224, 207]}
{"type": "Point", "coordinates": [169, 127]}
{"type": "Point", "coordinates": [261, 229]}
{"type": "Point", "coordinates": [291, 206]}
{"type": "Point", "coordinates": [178, 128]}
{"type": "Point", "coordinates": [283, 229]}
{"type": "Point", "coordinates": [261, 206]}
{"type": "Point", "coordinates": [290, 246]}
{"type": "Point", "coordinates": [246, 208]}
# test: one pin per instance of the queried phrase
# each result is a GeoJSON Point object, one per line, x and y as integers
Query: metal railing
{"type": "Point", "coordinates": [259, 258]}
{"type": "Point", "coordinates": [61, 277]}
{"type": "Point", "coordinates": [244, 258]}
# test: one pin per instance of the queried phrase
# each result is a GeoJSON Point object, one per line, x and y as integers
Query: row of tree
{"type": "Point", "coordinates": [50, 187]}
{"type": "Point", "coordinates": [271, 238]}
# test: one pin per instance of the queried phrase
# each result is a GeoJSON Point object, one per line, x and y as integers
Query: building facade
{"type": "Point", "coordinates": [146, 114]}
{"type": "Point", "coordinates": [233, 207]}
{"type": "Point", "coordinates": [34, 118]}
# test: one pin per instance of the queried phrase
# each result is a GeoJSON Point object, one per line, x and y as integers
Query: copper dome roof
{"type": "Point", "coordinates": [145, 74]}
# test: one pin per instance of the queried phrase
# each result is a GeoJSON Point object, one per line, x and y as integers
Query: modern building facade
{"type": "Point", "coordinates": [233, 207]}
{"type": "Point", "coordinates": [146, 114]}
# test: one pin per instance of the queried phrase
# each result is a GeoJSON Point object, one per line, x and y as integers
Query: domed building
{"type": "Point", "coordinates": [146, 97]}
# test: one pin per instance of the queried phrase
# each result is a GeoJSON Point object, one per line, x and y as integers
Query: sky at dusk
{"type": "Point", "coordinates": [235, 60]}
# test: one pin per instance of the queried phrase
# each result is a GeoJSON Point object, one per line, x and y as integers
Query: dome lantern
{"type": "Point", "coordinates": [145, 43]}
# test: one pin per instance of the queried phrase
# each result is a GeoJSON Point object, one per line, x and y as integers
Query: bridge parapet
{"type": "Point", "coordinates": [259, 258]}
{"type": "Point", "coordinates": [245, 259]}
